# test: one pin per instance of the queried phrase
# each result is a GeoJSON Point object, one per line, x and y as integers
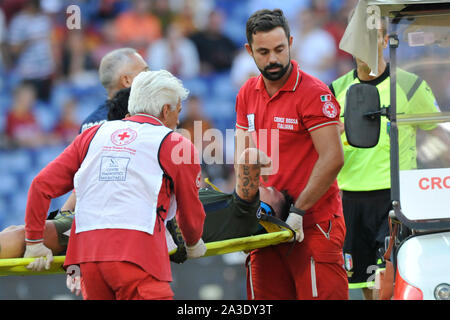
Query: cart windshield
{"type": "Point", "coordinates": [423, 116]}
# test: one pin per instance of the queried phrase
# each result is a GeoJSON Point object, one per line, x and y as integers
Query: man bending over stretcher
{"type": "Point", "coordinates": [228, 216]}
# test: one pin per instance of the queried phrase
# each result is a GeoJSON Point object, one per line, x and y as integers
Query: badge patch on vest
{"type": "Point", "coordinates": [329, 109]}
{"type": "Point", "coordinates": [122, 137]}
{"type": "Point", "coordinates": [113, 169]}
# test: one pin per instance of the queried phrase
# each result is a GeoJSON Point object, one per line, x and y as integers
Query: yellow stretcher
{"type": "Point", "coordinates": [17, 266]}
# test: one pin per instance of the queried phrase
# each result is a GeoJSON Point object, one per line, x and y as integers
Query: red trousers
{"type": "Point", "coordinates": [311, 269]}
{"type": "Point", "coordinates": [120, 280]}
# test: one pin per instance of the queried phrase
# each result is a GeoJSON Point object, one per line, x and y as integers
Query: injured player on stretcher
{"type": "Point", "coordinates": [228, 215]}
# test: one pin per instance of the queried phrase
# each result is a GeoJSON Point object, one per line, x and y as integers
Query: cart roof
{"type": "Point", "coordinates": [405, 2]}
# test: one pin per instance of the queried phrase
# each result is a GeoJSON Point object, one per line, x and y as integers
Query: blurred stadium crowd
{"type": "Point", "coordinates": [49, 85]}
{"type": "Point", "coordinates": [49, 81]}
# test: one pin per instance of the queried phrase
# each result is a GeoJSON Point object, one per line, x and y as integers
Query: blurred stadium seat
{"type": "Point", "coordinates": [46, 115]}
{"type": "Point", "coordinates": [196, 86]}
{"type": "Point", "coordinates": [8, 184]}
{"type": "Point", "coordinates": [47, 154]}
{"type": "Point", "coordinates": [18, 206]}
{"type": "Point", "coordinates": [15, 161]}
{"type": "Point", "coordinates": [222, 88]}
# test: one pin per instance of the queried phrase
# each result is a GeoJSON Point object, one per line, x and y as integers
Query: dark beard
{"type": "Point", "coordinates": [274, 76]}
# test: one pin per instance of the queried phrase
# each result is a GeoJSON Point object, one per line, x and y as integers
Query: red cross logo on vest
{"type": "Point", "coordinates": [123, 136]}
{"type": "Point", "coordinates": [329, 109]}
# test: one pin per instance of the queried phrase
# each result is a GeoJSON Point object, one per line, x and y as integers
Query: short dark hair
{"type": "Point", "coordinates": [118, 105]}
{"type": "Point", "coordinates": [266, 20]}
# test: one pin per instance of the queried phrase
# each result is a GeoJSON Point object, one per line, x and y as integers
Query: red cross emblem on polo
{"type": "Point", "coordinates": [123, 136]}
{"type": "Point", "coordinates": [329, 109]}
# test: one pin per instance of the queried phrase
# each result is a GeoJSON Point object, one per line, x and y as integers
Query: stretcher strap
{"type": "Point", "coordinates": [272, 223]}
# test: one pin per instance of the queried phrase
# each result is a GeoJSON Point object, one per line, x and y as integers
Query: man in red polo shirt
{"type": "Point", "coordinates": [299, 117]}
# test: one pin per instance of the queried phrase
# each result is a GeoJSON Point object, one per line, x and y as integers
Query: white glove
{"type": "Point", "coordinates": [73, 280]}
{"type": "Point", "coordinates": [197, 250]}
{"type": "Point", "coordinates": [44, 256]}
{"type": "Point", "coordinates": [295, 221]}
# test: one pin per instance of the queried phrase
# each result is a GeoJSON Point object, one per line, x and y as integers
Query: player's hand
{"type": "Point", "coordinates": [197, 250]}
{"type": "Point", "coordinates": [43, 255]}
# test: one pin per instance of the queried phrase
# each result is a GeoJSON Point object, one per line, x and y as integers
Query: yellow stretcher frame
{"type": "Point", "coordinates": [17, 266]}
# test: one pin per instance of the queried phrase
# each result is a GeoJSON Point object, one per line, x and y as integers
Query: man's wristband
{"type": "Point", "coordinates": [296, 210]}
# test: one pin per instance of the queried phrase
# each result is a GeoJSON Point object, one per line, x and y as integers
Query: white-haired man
{"type": "Point", "coordinates": [127, 184]}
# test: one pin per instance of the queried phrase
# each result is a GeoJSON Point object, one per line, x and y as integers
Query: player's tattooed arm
{"type": "Point", "coordinates": [248, 173]}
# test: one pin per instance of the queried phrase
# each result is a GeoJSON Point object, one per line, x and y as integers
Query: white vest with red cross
{"type": "Point", "coordinates": [118, 183]}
